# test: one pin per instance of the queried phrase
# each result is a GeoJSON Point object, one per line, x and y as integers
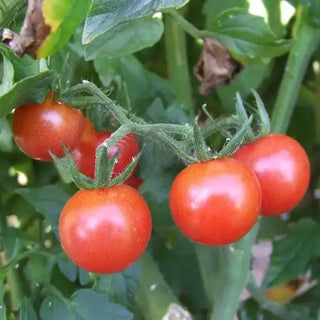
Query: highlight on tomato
{"type": "Point", "coordinates": [215, 202]}
{"type": "Point", "coordinates": [84, 154]}
{"type": "Point", "coordinates": [283, 169]}
{"type": "Point", "coordinates": [105, 231]}
{"type": "Point", "coordinates": [47, 126]}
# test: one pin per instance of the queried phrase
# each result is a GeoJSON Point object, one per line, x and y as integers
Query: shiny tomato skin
{"type": "Point", "coordinates": [282, 168]}
{"type": "Point", "coordinates": [215, 202]}
{"type": "Point", "coordinates": [84, 154]}
{"type": "Point", "coordinates": [105, 231]}
{"type": "Point", "coordinates": [38, 128]}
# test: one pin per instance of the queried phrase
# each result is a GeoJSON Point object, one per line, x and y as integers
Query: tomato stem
{"type": "Point", "coordinates": [177, 62]}
{"type": "Point", "coordinates": [306, 39]}
{"type": "Point", "coordinates": [155, 296]}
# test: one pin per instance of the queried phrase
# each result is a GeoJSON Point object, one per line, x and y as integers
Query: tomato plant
{"type": "Point", "coordinates": [215, 202]}
{"type": "Point", "coordinates": [104, 231]}
{"type": "Point", "coordinates": [283, 170]}
{"type": "Point", "coordinates": [84, 154]}
{"type": "Point", "coordinates": [40, 128]}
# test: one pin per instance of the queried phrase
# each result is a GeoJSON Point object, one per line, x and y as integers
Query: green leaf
{"type": "Point", "coordinates": [29, 90]}
{"type": "Point", "coordinates": [104, 15]}
{"type": "Point", "coordinates": [92, 306]}
{"type": "Point", "coordinates": [142, 86]}
{"type": "Point", "coordinates": [54, 308]}
{"type": "Point", "coordinates": [68, 268]}
{"type": "Point", "coordinates": [291, 255]}
{"type": "Point", "coordinates": [48, 201]}
{"type": "Point", "coordinates": [3, 308]}
{"type": "Point", "coordinates": [212, 8]}
{"type": "Point", "coordinates": [6, 144]}
{"type": "Point", "coordinates": [121, 287]}
{"type": "Point", "coordinates": [63, 17]}
{"type": "Point", "coordinates": [248, 37]}
{"type": "Point", "coordinates": [126, 38]}
{"type": "Point", "coordinates": [26, 311]}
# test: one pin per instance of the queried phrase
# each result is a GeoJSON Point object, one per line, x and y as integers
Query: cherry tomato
{"type": "Point", "coordinates": [104, 231]}
{"type": "Point", "coordinates": [84, 154]}
{"type": "Point", "coordinates": [38, 128]}
{"type": "Point", "coordinates": [215, 202]}
{"type": "Point", "coordinates": [283, 170]}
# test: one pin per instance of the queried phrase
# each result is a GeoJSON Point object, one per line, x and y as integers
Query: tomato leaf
{"type": "Point", "coordinates": [29, 90]}
{"type": "Point", "coordinates": [292, 254]}
{"type": "Point", "coordinates": [26, 311]}
{"type": "Point", "coordinates": [63, 17]}
{"type": "Point", "coordinates": [121, 287]}
{"type": "Point", "coordinates": [104, 15]}
{"type": "Point", "coordinates": [54, 308]}
{"type": "Point", "coordinates": [92, 306]}
{"type": "Point", "coordinates": [68, 268]}
{"type": "Point", "coordinates": [48, 201]}
{"type": "Point", "coordinates": [6, 144]}
{"type": "Point", "coordinates": [212, 8]}
{"type": "Point", "coordinates": [126, 38]}
{"type": "Point", "coordinates": [248, 37]}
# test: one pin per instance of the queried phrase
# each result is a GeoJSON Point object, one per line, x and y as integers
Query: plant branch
{"type": "Point", "coordinates": [306, 40]}
{"type": "Point", "coordinates": [177, 62]}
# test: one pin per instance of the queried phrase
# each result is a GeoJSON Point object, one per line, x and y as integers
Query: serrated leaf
{"type": "Point", "coordinates": [248, 37]}
{"type": "Point", "coordinates": [126, 38]}
{"type": "Point", "coordinates": [292, 254]}
{"type": "Point", "coordinates": [104, 15]}
{"type": "Point", "coordinates": [26, 311]}
{"type": "Point", "coordinates": [84, 277]}
{"type": "Point", "coordinates": [121, 287]}
{"type": "Point", "coordinates": [48, 201]}
{"type": "Point", "coordinates": [68, 268]}
{"type": "Point", "coordinates": [92, 306]}
{"type": "Point", "coordinates": [62, 17]}
{"type": "Point", "coordinates": [29, 90]}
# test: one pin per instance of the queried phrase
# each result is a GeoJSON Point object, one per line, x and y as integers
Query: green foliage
{"type": "Point", "coordinates": [106, 15]}
{"type": "Point", "coordinates": [126, 38]}
{"type": "Point", "coordinates": [248, 37]}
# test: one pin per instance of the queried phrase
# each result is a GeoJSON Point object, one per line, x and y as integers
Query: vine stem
{"type": "Point", "coordinates": [306, 39]}
{"type": "Point", "coordinates": [177, 62]}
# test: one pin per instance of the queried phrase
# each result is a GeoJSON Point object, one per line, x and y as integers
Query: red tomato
{"type": "Point", "coordinates": [104, 231]}
{"type": "Point", "coordinates": [215, 202]}
{"type": "Point", "coordinates": [38, 128]}
{"type": "Point", "coordinates": [283, 170]}
{"type": "Point", "coordinates": [84, 154]}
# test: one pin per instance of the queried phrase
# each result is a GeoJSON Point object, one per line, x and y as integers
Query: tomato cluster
{"type": "Point", "coordinates": [218, 202]}
{"type": "Point", "coordinates": [214, 203]}
{"type": "Point", "coordinates": [102, 231]}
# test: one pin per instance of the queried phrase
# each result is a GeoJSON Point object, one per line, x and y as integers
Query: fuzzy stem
{"type": "Point", "coordinates": [177, 61]}
{"type": "Point", "coordinates": [306, 40]}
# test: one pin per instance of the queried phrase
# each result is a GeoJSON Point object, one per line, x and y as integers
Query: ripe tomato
{"type": "Point", "coordinates": [215, 202]}
{"type": "Point", "coordinates": [38, 128]}
{"type": "Point", "coordinates": [283, 170]}
{"type": "Point", "coordinates": [84, 154]}
{"type": "Point", "coordinates": [104, 231]}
